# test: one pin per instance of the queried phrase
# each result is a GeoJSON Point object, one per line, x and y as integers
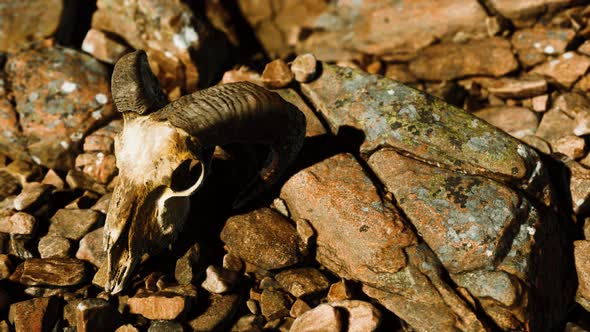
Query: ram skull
{"type": "Point", "coordinates": [164, 150]}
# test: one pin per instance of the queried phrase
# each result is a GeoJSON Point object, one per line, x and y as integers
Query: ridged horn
{"type": "Point", "coordinates": [134, 86]}
{"type": "Point", "coordinates": [241, 113]}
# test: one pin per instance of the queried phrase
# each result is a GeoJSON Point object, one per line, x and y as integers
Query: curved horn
{"type": "Point", "coordinates": [241, 112]}
{"type": "Point", "coordinates": [134, 86]}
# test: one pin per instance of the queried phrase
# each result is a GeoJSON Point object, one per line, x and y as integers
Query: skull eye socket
{"type": "Point", "coordinates": [185, 175]}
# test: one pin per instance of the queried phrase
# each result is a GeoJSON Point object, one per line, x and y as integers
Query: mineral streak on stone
{"type": "Point", "coordinates": [344, 208]}
{"type": "Point", "coordinates": [426, 128]}
{"type": "Point", "coordinates": [55, 93]}
{"type": "Point", "coordinates": [57, 271]}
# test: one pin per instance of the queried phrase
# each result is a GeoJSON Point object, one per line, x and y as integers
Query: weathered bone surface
{"type": "Point", "coordinates": [162, 155]}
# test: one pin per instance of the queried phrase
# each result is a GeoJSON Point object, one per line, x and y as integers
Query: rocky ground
{"type": "Point", "coordinates": [401, 213]}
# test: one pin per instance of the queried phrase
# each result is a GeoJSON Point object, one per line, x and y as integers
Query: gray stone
{"type": "Point", "coordinates": [74, 223]}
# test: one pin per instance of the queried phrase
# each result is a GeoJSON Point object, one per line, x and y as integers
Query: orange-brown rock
{"type": "Point", "coordinates": [16, 30]}
{"type": "Point", "coordinates": [566, 69]}
{"type": "Point", "coordinates": [516, 121]}
{"type": "Point", "coordinates": [184, 49]}
{"type": "Point", "coordinates": [343, 206]}
{"type": "Point", "coordinates": [58, 104]}
{"type": "Point", "coordinates": [344, 29]}
{"type": "Point", "coordinates": [447, 61]}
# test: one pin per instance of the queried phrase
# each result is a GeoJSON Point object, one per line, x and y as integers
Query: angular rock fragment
{"type": "Point", "coordinates": [262, 237]}
{"type": "Point", "coordinates": [94, 143]}
{"type": "Point", "coordinates": [339, 291]}
{"type": "Point", "coordinates": [186, 268]}
{"type": "Point", "coordinates": [91, 248]}
{"type": "Point", "coordinates": [362, 316]}
{"type": "Point", "coordinates": [15, 27]}
{"type": "Point", "coordinates": [516, 121]}
{"type": "Point", "coordinates": [57, 104]}
{"type": "Point", "coordinates": [158, 306]}
{"type": "Point", "coordinates": [219, 280]}
{"type": "Point", "coordinates": [393, 114]}
{"type": "Point", "coordinates": [74, 223]}
{"type": "Point", "coordinates": [517, 88]}
{"type": "Point", "coordinates": [38, 314]}
{"type": "Point", "coordinates": [274, 304]}
{"type": "Point", "coordinates": [241, 74]}
{"type": "Point", "coordinates": [56, 271]}
{"type": "Point", "coordinates": [534, 45]}
{"type": "Point", "coordinates": [539, 103]}
{"type": "Point", "coordinates": [219, 312]}
{"type": "Point", "coordinates": [566, 69]}
{"type": "Point", "coordinates": [127, 328]}
{"type": "Point", "coordinates": [523, 12]}
{"type": "Point", "coordinates": [103, 47]}
{"type": "Point", "coordinates": [98, 166]}
{"type": "Point", "coordinates": [80, 180]}
{"type": "Point", "coordinates": [581, 254]}
{"type": "Point", "coordinates": [9, 185]}
{"type": "Point", "coordinates": [570, 145]}
{"type": "Point", "coordinates": [24, 171]}
{"type": "Point", "coordinates": [579, 186]}
{"type": "Point", "coordinates": [53, 179]}
{"type": "Point", "coordinates": [5, 266]}
{"type": "Point", "coordinates": [577, 107]}
{"type": "Point", "coordinates": [277, 74]}
{"type": "Point", "coordinates": [32, 195]}
{"type": "Point", "coordinates": [298, 308]}
{"type": "Point", "coordinates": [18, 223]}
{"type": "Point", "coordinates": [304, 67]}
{"type": "Point", "coordinates": [96, 315]}
{"type": "Point", "coordinates": [54, 246]}
{"type": "Point", "coordinates": [232, 263]}
{"type": "Point", "coordinates": [321, 318]}
{"type": "Point", "coordinates": [538, 143]}
{"type": "Point", "coordinates": [303, 281]}
{"type": "Point", "coordinates": [20, 246]}
{"type": "Point", "coordinates": [165, 326]}
{"type": "Point", "coordinates": [447, 61]}
{"type": "Point", "coordinates": [554, 125]}
{"type": "Point", "coordinates": [102, 205]}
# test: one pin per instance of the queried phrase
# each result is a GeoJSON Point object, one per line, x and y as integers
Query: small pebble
{"type": "Point", "coordinates": [304, 67]}
{"type": "Point", "coordinates": [276, 74]}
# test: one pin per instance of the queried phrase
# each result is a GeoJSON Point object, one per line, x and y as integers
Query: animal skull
{"type": "Point", "coordinates": [163, 155]}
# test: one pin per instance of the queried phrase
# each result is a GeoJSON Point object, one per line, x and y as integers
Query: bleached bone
{"type": "Point", "coordinates": [163, 155]}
